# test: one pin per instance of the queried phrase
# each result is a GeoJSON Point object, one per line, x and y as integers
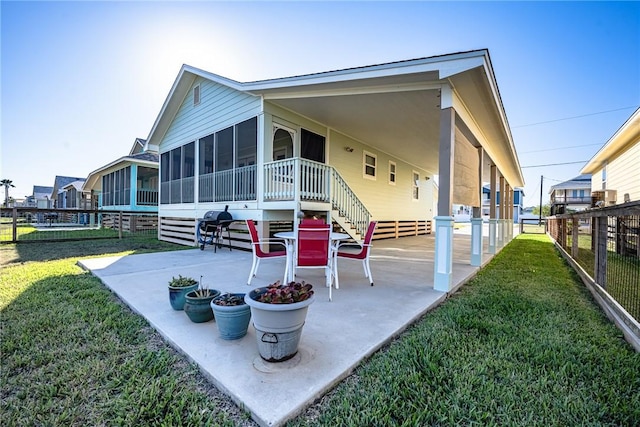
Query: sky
{"type": "Point", "coordinates": [81, 80]}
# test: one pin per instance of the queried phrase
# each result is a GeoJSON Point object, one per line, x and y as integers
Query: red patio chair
{"type": "Point", "coordinates": [313, 251]}
{"type": "Point", "coordinates": [363, 254]}
{"type": "Point", "coordinates": [258, 253]}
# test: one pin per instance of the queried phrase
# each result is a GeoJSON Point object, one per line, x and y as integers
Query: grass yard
{"type": "Point", "coordinates": [73, 355]}
{"type": "Point", "coordinates": [522, 344]}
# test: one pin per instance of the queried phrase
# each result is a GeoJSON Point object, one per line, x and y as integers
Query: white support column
{"type": "Point", "coordinates": [500, 241]}
{"type": "Point", "coordinates": [510, 213]}
{"type": "Point", "coordinates": [492, 210]}
{"type": "Point", "coordinates": [507, 204]}
{"type": "Point", "coordinates": [443, 256]}
{"type": "Point", "coordinates": [476, 242]}
{"type": "Point", "coordinates": [476, 221]}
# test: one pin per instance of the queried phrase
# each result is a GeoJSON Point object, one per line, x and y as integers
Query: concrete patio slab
{"type": "Point", "coordinates": [336, 337]}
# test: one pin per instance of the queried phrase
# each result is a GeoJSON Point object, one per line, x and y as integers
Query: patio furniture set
{"type": "Point", "coordinates": [313, 245]}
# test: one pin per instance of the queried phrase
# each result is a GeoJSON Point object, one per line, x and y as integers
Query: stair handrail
{"type": "Point", "coordinates": [347, 203]}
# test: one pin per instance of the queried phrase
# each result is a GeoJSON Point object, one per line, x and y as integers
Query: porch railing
{"type": "Point", "coordinates": [314, 182]}
{"type": "Point", "coordinates": [584, 200]}
{"type": "Point", "coordinates": [345, 201]}
{"type": "Point", "coordinates": [228, 185]}
{"type": "Point", "coordinates": [147, 198]}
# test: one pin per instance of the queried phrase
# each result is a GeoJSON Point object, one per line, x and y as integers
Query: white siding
{"type": "Point", "coordinates": [219, 108]}
{"type": "Point", "coordinates": [623, 173]}
{"type": "Point", "coordinates": [384, 201]}
{"type": "Point", "coordinates": [596, 180]}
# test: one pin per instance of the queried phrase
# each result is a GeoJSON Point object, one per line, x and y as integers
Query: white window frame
{"type": "Point", "coordinates": [365, 165]}
{"type": "Point", "coordinates": [415, 185]}
{"type": "Point", "coordinates": [197, 95]}
{"type": "Point", "coordinates": [393, 173]}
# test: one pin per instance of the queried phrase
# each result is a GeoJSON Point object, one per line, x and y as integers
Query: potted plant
{"type": "Point", "coordinates": [232, 315]}
{"type": "Point", "coordinates": [178, 288]}
{"type": "Point", "coordinates": [197, 303]}
{"type": "Point", "coordinates": [278, 313]}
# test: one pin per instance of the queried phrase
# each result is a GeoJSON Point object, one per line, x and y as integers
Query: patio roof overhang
{"type": "Point", "coordinates": [394, 107]}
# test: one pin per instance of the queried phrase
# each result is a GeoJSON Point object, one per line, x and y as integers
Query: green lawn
{"type": "Point", "coordinates": [522, 344]}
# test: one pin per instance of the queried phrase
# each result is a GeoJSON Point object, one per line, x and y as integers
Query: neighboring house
{"type": "Point", "coordinates": [572, 195]}
{"type": "Point", "coordinates": [73, 196]}
{"type": "Point", "coordinates": [518, 200]}
{"type": "Point", "coordinates": [59, 196]}
{"type": "Point", "coordinates": [40, 198]}
{"type": "Point", "coordinates": [350, 145]}
{"type": "Point", "coordinates": [614, 169]}
{"type": "Point", "coordinates": [128, 183]}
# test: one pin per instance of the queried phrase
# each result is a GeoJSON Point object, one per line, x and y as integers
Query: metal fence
{"type": "Point", "coordinates": [24, 224]}
{"type": "Point", "coordinates": [533, 225]}
{"type": "Point", "coordinates": [606, 244]}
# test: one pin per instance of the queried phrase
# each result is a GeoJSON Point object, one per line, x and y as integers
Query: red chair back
{"type": "Point", "coordinates": [313, 246]}
{"type": "Point", "coordinates": [255, 240]}
{"type": "Point", "coordinates": [370, 231]}
{"type": "Point", "coordinates": [313, 223]}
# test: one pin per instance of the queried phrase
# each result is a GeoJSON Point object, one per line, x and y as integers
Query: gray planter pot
{"type": "Point", "coordinates": [278, 326]}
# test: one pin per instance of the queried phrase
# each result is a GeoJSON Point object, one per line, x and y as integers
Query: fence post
{"type": "Point", "coordinates": [574, 237]}
{"type": "Point", "coordinates": [120, 225]}
{"type": "Point", "coordinates": [600, 268]}
{"type": "Point", "coordinates": [14, 216]}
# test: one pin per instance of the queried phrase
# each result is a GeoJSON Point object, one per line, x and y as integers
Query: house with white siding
{"type": "Point", "coordinates": [615, 175]}
{"type": "Point", "coordinates": [129, 183]}
{"type": "Point", "coordinates": [350, 145]}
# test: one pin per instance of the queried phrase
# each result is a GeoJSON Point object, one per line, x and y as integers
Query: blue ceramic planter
{"type": "Point", "coordinates": [232, 320]}
{"type": "Point", "coordinates": [177, 295]}
{"type": "Point", "coordinates": [198, 308]}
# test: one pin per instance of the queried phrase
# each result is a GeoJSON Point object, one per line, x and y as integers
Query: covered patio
{"type": "Point", "coordinates": [336, 337]}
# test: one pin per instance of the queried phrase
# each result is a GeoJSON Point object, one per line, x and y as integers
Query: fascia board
{"type": "Point", "coordinates": [294, 94]}
{"type": "Point", "coordinates": [447, 65]}
{"type": "Point", "coordinates": [626, 134]}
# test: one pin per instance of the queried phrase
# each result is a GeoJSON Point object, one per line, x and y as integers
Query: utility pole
{"type": "Point", "coordinates": [540, 213]}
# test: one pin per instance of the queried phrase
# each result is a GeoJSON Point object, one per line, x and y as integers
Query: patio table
{"type": "Point", "coordinates": [290, 238]}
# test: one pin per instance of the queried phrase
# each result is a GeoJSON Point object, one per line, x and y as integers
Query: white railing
{"type": "Point", "coordinates": [228, 185]}
{"type": "Point", "coordinates": [147, 198]}
{"type": "Point", "coordinates": [316, 182]}
{"type": "Point", "coordinates": [348, 205]}
{"type": "Point", "coordinates": [279, 180]}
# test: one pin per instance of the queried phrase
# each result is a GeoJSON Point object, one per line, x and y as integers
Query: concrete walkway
{"type": "Point", "coordinates": [336, 337]}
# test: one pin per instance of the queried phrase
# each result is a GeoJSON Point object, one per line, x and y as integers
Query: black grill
{"type": "Point", "coordinates": [214, 222]}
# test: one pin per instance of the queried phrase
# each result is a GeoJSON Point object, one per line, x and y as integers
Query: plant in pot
{"type": "Point", "coordinates": [278, 313]}
{"type": "Point", "coordinates": [197, 303]}
{"type": "Point", "coordinates": [232, 315]}
{"type": "Point", "coordinates": [178, 288]}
